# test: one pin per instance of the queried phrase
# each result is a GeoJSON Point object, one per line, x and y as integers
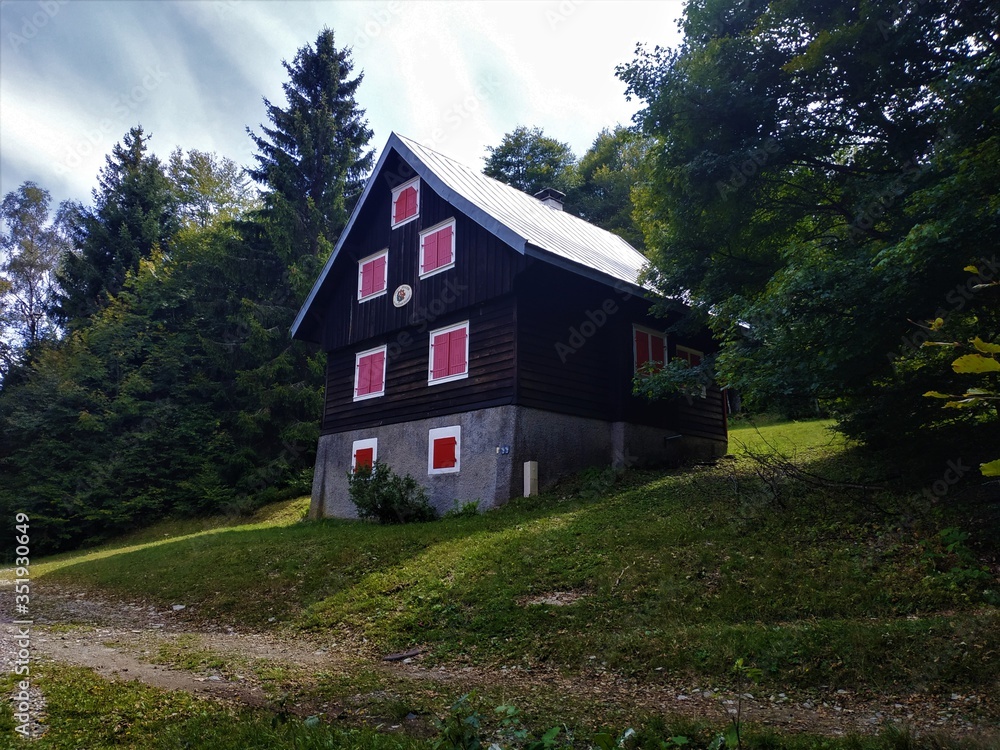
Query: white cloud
{"type": "Point", "coordinates": [454, 75]}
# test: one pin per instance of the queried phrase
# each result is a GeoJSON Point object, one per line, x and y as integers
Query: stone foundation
{"type": "Point", "coordinates": [495, 444]}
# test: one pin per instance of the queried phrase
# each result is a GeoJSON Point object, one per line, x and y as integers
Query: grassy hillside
{"type": "Point", "coordinates": [822, 584]}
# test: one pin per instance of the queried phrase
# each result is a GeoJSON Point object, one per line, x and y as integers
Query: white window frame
{"type": "Point", "coordinates": [361, 445]}
{"type": "Point", "coordinates": [444, 432]}
{"type": "Point", "coordinates": [431, 380]}
{"type": "Point", "coordinates": [651, 332]}
{"type": "Point", "coordinates": [688, 350]}
{"type": "Point", "coordinates": [420, 251]}
{"type": "Point", "coordinates": [414, 183]}
{"type": "Point", "coordinates": [385, 277]}
{"type": "Point", "coordinates": [357, 363]}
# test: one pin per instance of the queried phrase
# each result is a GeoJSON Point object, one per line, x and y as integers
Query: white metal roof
{"type": "Point", "coordinates": [523, 222]}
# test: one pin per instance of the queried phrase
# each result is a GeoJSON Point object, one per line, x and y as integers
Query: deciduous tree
{"type": "Point", "coordinates": [531, 161]}
{"type": "Point", "coordinates": [209, 188]}
{"type": "Point", "coordinates": [606, 177]}
{"type": "Point", "coordinates": [30, 248]}
{"type": "Point", "coordinates": [821, 173]}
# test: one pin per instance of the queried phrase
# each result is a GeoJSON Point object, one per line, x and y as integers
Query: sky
{"type": "Point", "coordinates": [75, 75]}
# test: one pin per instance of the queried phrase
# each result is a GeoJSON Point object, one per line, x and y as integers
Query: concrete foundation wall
{"type": "Point", "coordinates": [495, 443]}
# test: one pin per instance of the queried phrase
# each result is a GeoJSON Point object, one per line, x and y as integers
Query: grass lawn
{"type": "Point", "coordinates": [678, 572]}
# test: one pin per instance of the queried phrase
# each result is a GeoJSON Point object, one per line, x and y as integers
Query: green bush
{"type": "Point", "coordinates": [381, 495]}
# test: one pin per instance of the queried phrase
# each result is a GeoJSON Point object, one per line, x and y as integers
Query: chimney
{"type": "Point", "coordinates": [551, 198]}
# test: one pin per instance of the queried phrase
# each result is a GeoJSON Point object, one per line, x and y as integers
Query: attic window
{"type": "Point", "coordinates": [449, 355]}
{"type": "Point", "coordinates": [691, 356]}
{"type": "Point", "coordinates": [649, 347]}
{"type": "Point", "coordinates": [369, 374]}
{"type": "Point", "coordinates": [364, 454]}
{"type": "Point", "coordinates": [405, 202]}
{"type": "Point", "coordinates": [373, 275]}
{"type": "Point", "coordinates": [444, 450]}
{"type": "Point", "coordinates": [437, 248]}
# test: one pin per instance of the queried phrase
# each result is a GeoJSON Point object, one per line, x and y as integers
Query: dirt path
{"type": "Point", "coordinates": [124, 640]}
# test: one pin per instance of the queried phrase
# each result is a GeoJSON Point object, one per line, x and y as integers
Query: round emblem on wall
{"type": "Point", "coordinates": [402, 295]}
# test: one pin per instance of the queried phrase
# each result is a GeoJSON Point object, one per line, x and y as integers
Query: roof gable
{"type": "Point", "coordinates": [521, 221]}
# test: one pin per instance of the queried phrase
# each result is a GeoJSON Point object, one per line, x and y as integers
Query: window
{"type": "Point", "coordinates": [437, 248]}
{"type": "Point", "coordinates": [444, 450]}
{"type": "Point", "coordinates": [449, 355]}
{"type": "Point", "coordinates": [364, 454]}
{"type": "Point", "coordinates": [649, 347]}
{"type": "Point", "coordinates": [691, 356]}
{"type": "Point", "coordinates": [373, 275]}
{"type": "Point", "coordinates": [369, 374]}
{"type": "Point", "coordinates": [405, 202]}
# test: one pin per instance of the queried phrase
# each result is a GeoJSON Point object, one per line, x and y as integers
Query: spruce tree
{"type": "Point", "coordinates": [135, 212]}
{"type": "Point", "coordinates": [312, 158]}
{"type": "Point", "coordinates": [311, 163]}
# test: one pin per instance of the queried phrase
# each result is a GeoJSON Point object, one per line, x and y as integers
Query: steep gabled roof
{"type": "Point", "coordinates": [521, 221]}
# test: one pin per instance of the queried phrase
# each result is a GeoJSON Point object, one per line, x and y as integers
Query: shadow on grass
{"type": "Point", "coordinates": [682, 571]}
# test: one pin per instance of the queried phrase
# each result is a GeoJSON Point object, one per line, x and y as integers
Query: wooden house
{"type": "Point", "coordinates": [472, 328]}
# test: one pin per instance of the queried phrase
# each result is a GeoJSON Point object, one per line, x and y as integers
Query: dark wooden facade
{"type": "Point", "coordinates": [540, 336]}
{"type": "Point", "coordinates": [485, 270]}
{"type": "Point", "coordinates": [407, 394]}
{"type": "Point", "coordinates": [575, 356]}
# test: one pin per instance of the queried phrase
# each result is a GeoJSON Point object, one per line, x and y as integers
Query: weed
{"type": "Point", "coordinates": [514, 732]}
{"type": "Point", "coordinates": [463, 510]}
{"type": "Point", "coordinates": [732, 736]}
{"type": "Point", "coordinates": [953, 566]}
{"type": "Point", "coordinates": [460, 728]}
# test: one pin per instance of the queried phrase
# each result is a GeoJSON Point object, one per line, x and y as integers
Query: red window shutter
{"type": "Point", "coordinates": [456, 358]}
{"type": "Point", "coordinates": [363, 376]}
{"type": "Point", "coordinates": [410, 200]}
{"type": "Point", "coordinates": [695, 359]}
{"type": "Point", "coordinates": [367, 278]}
{"type": "Point", "coordinates": [444, 453]}
{"type": "Point", "coordinates": [405, 205]}
{"type": "Point", "coordinates": [430, 252]}
{"type": "Point", "coordinates": [656, 345]}
{"type": "Point", "coordinates": [378, 372]}
{"type": "Point", "coordinates": [441, 354]}
{"type": "Point", "coordinates": [364, 458]}
{"type": "Point", "coordinates": [444, 247]}
{"type": "Point", "coordinates": [371, 370]}
{"type": "Point", "coordinates": [641, 348]}
{"type": "Point", "coordinates": [378, 275]}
